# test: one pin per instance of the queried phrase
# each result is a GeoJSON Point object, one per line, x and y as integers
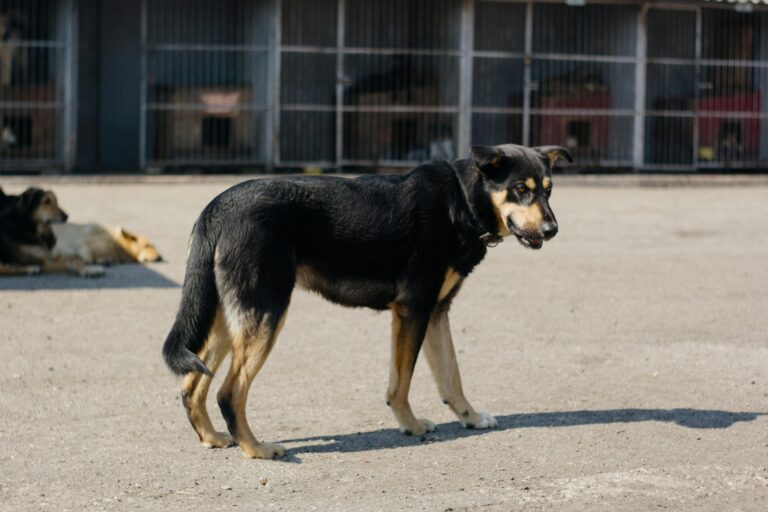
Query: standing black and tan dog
{"type": "Point", "coordinates": [401, 243]}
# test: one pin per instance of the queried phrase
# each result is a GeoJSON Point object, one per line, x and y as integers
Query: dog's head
{"type": "Point", "coordinates": [141, 249]}
{"type": "Point", "coordinates": [40, 206]}
{"type": "Point", "coordinates": [518, 182]}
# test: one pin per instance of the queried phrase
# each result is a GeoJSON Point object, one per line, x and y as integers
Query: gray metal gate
{"type": "Point", "coordinates": [37, 83]}
{"type": "Point", "coordinates": [549, 73]}
{"type": "Point", "coordinates": [206, 82]}
{"type": "Point", "coordinates": [383, 86]}
{"type": "Point", "coordinates": [333, 83]}
{"type": "Point", "coordinates": [705, 87]}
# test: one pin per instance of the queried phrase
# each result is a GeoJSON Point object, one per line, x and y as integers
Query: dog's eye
{"type": "Point", "coordinates": [521, 188]}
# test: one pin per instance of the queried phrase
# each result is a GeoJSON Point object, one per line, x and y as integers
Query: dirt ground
{"type": "Point", "coordinates": [626, 362]}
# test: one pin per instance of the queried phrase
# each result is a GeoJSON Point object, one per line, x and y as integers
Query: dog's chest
{"type": "Point", "coordinates": [31, 253]}
{"type": "Point", "coordinates": [450, 283]}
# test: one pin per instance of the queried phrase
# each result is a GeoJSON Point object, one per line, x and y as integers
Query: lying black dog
{"type": "Point", "coordinates": [27, 239]}
{"type": "Point", "coordinates": [403, 243]}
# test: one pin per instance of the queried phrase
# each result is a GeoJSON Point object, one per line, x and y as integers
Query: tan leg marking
{"type": "Point", "coordinates": [249, 352]}
{"type": "Point", "coordinates": [452, 278]}
{"type": "Point", "coordinates": [441, 356]}
{"type": "Point", "coordinates": [403, 359]}
{"type": "Point", "coordinates": [194, 387]}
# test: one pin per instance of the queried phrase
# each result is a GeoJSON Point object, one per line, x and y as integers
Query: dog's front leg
{"type": "Point", "coordinates": [441, 356]}
{"type": "Point", "coordinates": [408, 330]}
{"type": "Point", "coordinates": [19, 270]}
{"type": "Point", "coordinates": [71, 265]}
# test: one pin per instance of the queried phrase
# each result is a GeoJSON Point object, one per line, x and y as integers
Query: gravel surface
{"type": "Point", "coordinates": [626, 362]}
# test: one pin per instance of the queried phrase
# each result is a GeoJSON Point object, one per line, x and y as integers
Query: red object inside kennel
{"type": "Point", "coordinates": [740, 135]}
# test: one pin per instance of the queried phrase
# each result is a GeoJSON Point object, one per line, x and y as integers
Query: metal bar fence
{"type": "Point", "coordinates": [37, 105]}
{"type": "Point", "coordinates": [205, 93]}
{"type": "Point", "coordinates": [389, 83]}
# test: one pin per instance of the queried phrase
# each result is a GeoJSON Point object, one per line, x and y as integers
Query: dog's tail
{"type": "Point", "coordinates": [199, 300]}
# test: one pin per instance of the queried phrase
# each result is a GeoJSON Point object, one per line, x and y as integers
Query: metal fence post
{"type": "Point", "coordinates": [143, 89]}
{"type": "Point", "coordinates": [638, 140]}
{"type": "Point", "coordinates": [273, 89]}
{"type": "Point", "coordinates": [527, 80]}
{"type": "Point", "coordinates": [69, 122]}
{"type": "Point", "coordinates": [340, 81]}
{"type": "Point", "coordinates": [697, 93]}
{"type": "Point", "coordinates": [465, 76]}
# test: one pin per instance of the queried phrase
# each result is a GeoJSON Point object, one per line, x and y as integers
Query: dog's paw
{"type": "Point", "coordinates": [422, 427]}
{"type": "Point", "coordinates": [218, 440]}
{"type": "Point", "coordinates": [263, 451]}
{"type": "Point", "coordinates": [480, 420]}
{"type": "Point", "coordinates": [92, 271]}
{"type": "Point", "coordinates": [32, 270]}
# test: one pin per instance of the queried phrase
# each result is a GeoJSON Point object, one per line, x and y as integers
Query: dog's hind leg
{"type": "Point", "coordinates": [441, 356]}
{"type": "Point", "coordinates": [250, 348]}
{"type": "Point", "coordinates": [255, 276]}
{"type": "Point", "coordinates": [407, 336]}
{"type": "Point", "coordinates": [194, 387]}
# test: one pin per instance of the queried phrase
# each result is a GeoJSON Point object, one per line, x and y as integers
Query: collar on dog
{"type": "Point", "coordinates": [491, 239]}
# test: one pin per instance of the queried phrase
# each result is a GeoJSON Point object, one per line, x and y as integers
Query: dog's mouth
{"type": "Point", "coordinates": [58, 219]}
{"type": "Point", "coordinates": [530, 243]}
{"type": "Point", "coordinates": [525, 240]}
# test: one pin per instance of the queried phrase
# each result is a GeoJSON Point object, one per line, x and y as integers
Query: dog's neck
{"type": "Point", "coordinates": [478, 204]}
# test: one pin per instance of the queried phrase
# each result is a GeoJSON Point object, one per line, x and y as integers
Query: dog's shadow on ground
{"type": "Point", "coordinates": [115, 277]}
{"type": "Point", "coordinates": [391, 438]}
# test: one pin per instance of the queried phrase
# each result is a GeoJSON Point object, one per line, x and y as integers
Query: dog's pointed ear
{"type": "Point", "coordinates": [126, 235]}
{"type": "Point", "coordinates": [486, 158]}
{"type": "Point", "coordinates": [554, 153]}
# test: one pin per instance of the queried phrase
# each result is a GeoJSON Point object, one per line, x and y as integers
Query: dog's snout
{"type": "Point", "coordinates": [64, 216]}
{"type": "Point", "coordinates": [549, 229]}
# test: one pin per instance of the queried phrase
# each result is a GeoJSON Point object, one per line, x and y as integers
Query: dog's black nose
{"type": "Point", "coordinates": [549, 229]}
{"type": "Point", "coordinates": [64, 217]}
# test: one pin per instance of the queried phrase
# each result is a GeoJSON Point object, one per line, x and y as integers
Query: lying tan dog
{"type": "Point", "coordinates": [93, 243]}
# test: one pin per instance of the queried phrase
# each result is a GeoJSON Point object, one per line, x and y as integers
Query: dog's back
{"type": "Point", "coordinates": [351, 240]}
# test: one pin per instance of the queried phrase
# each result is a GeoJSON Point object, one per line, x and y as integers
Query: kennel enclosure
{"type": "Point", "coordinates": [270, 84]}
